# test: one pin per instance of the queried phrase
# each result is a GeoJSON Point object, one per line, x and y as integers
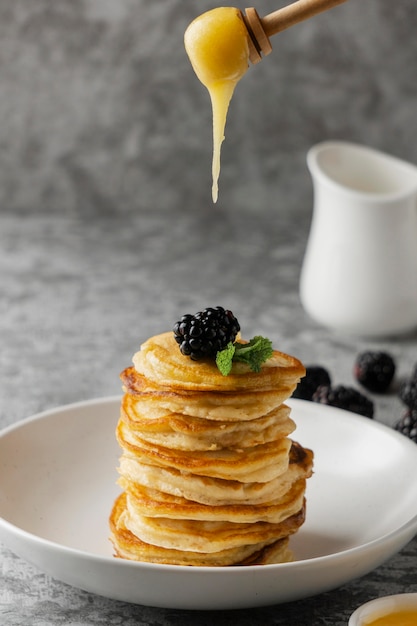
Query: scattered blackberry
{"type": "Point", "coordinates": [316, 375]}
{"type": "Point", "coordinates": [408, 393]}
{"type": "Point", "coordinates": [345, 398]}
{"type": "Point", "coordinates": [374, 370]}
{"type": "Point", "coordinates": [407, 425]}
{"type": "Point", "coordinates": [205, 333]}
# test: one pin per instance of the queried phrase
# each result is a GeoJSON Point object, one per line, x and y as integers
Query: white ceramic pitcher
{"type": "Point", "coordinates": [359, 273]}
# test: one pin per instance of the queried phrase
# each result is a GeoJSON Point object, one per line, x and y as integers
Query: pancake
{"type": "Point", "coordinates": [155, 401]}
{"type": "Point", "coordinates": [197, 536]}
{"type": "Point", "coordinates": [180, 432]}
{"type": "Point", "coordinates": [215, 491]}
{"type": "Point", "coordinates": [129, 546]}
{"type": "Point", "coordinates": [160, 361]}
{"type": "Point", "coordinates": [154, 503]}
{"type": "Point", "coordinates": [257, 464]}
{"type": "Point", "coordinates": [167, 433]}
{"type": "Point", "coordinates": [208, 471]}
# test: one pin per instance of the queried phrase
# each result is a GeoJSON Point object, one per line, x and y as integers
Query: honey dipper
{"type": "Point", "coordinates": [261, 29]}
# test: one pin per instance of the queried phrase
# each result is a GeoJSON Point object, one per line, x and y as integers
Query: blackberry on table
{"type": "Point", "coordinates": [408, 393]}
{"type": "Point", "coordinates": [374, 370]}
{"type": "Point", "coordinates": [315, 376]}
{"type": "Point", "coordinates": [407, 425]}
{"type": "Point", "coordinates": [207, 332]}
{"type": "Point", "coordinates": [346, 398]}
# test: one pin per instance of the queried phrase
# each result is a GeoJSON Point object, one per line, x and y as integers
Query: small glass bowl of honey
{"type": "Point", "coordinates": [396, 610]}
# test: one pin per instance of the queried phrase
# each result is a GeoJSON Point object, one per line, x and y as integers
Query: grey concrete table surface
{"type": "Point", "coordinates": [79, 295]}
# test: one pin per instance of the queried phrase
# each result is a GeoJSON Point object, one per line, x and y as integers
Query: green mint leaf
{"type": "Point", "coordinates": [254, 353]}
{"type": "Point", "coordinates": [224, 358]}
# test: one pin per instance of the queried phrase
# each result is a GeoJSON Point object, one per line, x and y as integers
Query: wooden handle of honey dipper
{"type": "Point", "coordinates": [260, 29]}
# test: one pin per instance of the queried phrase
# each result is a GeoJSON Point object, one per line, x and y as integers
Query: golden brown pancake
{"type": "Point", "coordinates": [186, 432]}
{"type": "Point", "coordinates": [130, 546]}
{"type": "Point", "coordinates": [153, 503]}
{"type": "Point", "coordinates": [161, 362]}
{"type": "Point", "coordinates": [206, 537]}
{"type": "Point", "coordinates": [156, 401]}
{"type": "Point", "coordinates": [257, 464]}
{"type": "Point", "coordinates": [217, 491]}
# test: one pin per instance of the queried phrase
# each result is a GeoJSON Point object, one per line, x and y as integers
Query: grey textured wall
{"type": "Point", "coordinates": [100, 108]}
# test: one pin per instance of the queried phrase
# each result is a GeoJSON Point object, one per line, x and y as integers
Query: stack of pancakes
{"type": "Point", "coordinates": [209, 474]}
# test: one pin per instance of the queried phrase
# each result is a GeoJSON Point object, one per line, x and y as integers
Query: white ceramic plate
{"type": "Point", "coordinates": [57, 485]}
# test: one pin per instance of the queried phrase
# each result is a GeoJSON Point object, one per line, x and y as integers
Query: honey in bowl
{"type": "Point", "coordinates": [394, 610]}
{"type": "Point", "coordinates": [396, 618]}
{"type": "Point", "coordinates": [218, 48]}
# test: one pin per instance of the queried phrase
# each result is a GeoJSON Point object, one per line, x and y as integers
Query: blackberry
{"type": "Point", "coordinates": [408, 393]}
{"type": "Point", "coordinates": [407, 425]}
{"type": "Point", "coordinates": [374, 370]}
{"type": "Point", "coordinates": [345, 398]}
{"type": "Point", "coordinates": [316, 375]}
{"type": "Point", "coordinates": [207, 332]}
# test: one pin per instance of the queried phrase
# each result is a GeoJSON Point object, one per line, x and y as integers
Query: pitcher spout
{"type": "Point", "coordinates": [358, 169]}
